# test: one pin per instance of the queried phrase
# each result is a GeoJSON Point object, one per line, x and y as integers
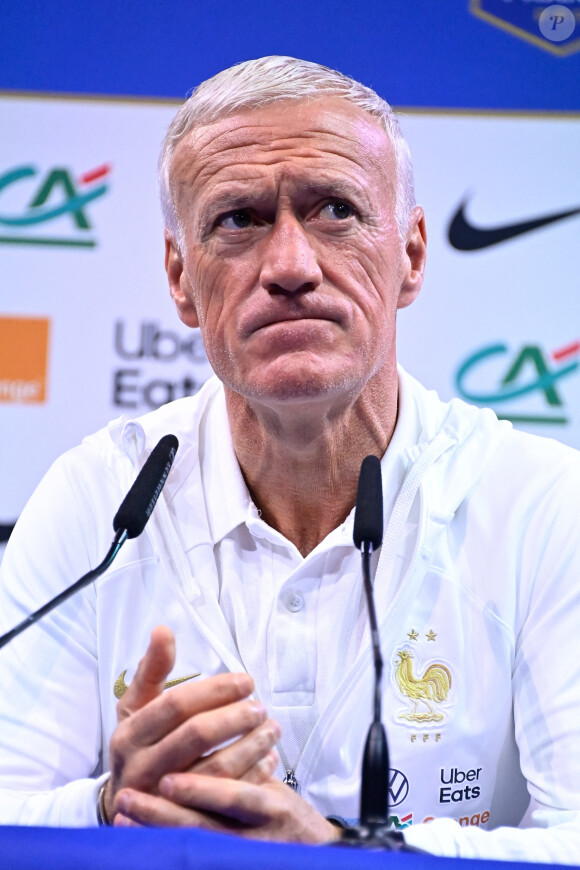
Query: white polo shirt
{"type": "Point", "coordinates": [297, 622]}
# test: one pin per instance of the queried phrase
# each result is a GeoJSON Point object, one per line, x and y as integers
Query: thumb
{"type": "Point", "coordinates": [152, 671]}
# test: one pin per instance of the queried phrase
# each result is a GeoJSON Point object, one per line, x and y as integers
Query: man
{"type": "Point", "coordinates": [292, 240]}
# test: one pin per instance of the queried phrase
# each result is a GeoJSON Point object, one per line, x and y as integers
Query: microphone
{"type": "Point", "coordinates": [141, 499]}
{"type": "Point", "coordinates": [129, 522]}
{"type": "Point", "coordinates": [373, 829]}
{"type": "Point", "coordinates": [368, 512]}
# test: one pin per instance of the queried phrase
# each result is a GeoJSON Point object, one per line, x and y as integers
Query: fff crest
{"type": "Point", "coordinates": [424, 690]}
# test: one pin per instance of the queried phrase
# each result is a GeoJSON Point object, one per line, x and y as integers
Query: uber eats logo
{"type": "Point", "coordinates": [51, 207]}
{"type": "Point", "coordinates": [158, 364]}
{"type": "Point", "coordinates": [459, 785]}
{"type": "Point", "coordinates": [524, 385]}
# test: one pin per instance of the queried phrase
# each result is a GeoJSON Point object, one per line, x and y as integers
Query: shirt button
{"type": "Point", "coordinates": [294, 602]}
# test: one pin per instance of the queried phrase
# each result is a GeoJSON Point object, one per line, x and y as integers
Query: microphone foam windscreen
{"type": "Point", "coordinates": [139, 502]}
{"type": "Point", "coordinates": [368, 514]}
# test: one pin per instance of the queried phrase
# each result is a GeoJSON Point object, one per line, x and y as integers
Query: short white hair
{"type": "Point", "coordinates": [257, 83]}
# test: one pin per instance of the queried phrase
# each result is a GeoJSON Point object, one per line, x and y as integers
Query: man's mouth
{"type": "Point", "coordinates": [264, 319]}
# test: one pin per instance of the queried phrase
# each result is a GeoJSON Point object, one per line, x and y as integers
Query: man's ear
{"type": "Point", "coordinates": [414, 258]}
{"type": "Point", "coordinates": [179, 286]}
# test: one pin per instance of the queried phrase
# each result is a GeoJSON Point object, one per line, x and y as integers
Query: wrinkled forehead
{"type": "Point", "coordinates": [327, 134]}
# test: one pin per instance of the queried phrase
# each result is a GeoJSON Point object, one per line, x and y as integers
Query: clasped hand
{"type": "Point", "coordinates": [169, 766]}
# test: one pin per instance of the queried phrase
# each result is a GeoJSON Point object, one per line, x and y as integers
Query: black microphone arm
{"type": "Point", "coordinates": [373, 829]}
{"type": "Point", "coordinates": [368, 536]}
{"type": "Point", "coordinates": [129, 522]}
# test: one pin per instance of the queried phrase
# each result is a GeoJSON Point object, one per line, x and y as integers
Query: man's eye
{"type": "Point", "coordinates": [337, 210]}
{"type": "Point", "coordinates": [237, 220]}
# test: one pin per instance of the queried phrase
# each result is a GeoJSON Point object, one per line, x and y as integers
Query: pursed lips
{"type": "Point", "coordinates": [262, 320]}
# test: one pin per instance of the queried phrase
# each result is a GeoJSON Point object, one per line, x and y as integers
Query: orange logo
{"type": "Point", "coordinates": [23, 359]}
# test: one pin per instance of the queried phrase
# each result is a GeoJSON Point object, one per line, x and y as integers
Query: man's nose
{"type": "Point", "coordinates": [289, 263]}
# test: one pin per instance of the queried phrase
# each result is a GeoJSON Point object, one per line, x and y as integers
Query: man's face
{"type": "Point", "coordinates": [291, 261]}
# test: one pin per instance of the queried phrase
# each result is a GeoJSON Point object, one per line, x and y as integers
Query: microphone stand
{"type": "Point", "coordinates": [118, 541]}
{"type": "Point", "coordinates": [373, 832]}
{"type": "Point", "coordinates": [129, 522]}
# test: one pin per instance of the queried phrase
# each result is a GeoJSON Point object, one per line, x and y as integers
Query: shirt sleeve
{"type": "Point", "coordinates": [50, 724]}
{"type": "Point", "coordinates": [545, 689]}
{"type": "Point", "coordinates": [554, 839]}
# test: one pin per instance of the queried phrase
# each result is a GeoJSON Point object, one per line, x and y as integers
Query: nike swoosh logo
{"type": "Point", "coordinates": [464, 236]}
{"type": "Point", "coordinates": [121, 686]}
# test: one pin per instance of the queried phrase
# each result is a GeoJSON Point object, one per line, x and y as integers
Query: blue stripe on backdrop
{"type": "Point", "coordinates": [421, 53]}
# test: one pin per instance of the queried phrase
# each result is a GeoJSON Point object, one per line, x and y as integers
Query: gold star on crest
{"type": "Point", "coordinates": [412, 635]}
{"type": "Point", "coordinates": [431, 635]}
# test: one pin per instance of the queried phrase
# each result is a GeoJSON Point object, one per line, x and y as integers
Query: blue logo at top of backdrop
{"type": "Point", "coordinates": [55, 194]}
{"type": "Point", "coordinates": [513, 378]}
{"type": "Point", "coordinates": [552, 26]}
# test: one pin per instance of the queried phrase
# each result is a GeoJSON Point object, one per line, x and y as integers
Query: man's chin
{"type": "Point", "coordinates": [298, 389]}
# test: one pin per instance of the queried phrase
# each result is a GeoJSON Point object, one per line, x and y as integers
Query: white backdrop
{"type": "Point", "coordinates": [509, 313]}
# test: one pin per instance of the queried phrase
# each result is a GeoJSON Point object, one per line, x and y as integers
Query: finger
{"type": "Point", "coordinates": [182, 704]}
{"type": "Point", "coordinates": [243, 756]}
{"type": "Point", "coordinates": [193, 739]}
{"type": "Point", "coordinates": [243, 802]}
{"type": "Point", "coordinates": [271, 811]}
{"type": "Point", "coordinates": [121, 821]}
{"type": "Point", "coordinates": [263, 770]}
{"type": "Point", "coordinates": [151, 673]}
{"type": "Point", "coordinates": [138, 809]}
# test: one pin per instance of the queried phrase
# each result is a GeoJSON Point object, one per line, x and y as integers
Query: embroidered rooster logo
{"type": "Point", "coordinates": [433, 686]}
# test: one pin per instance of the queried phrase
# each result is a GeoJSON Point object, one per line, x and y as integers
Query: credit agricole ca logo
{"type": "Point", "coordinates": [524, 385]}
{"type": "Point", "coordinates": [50, 207]}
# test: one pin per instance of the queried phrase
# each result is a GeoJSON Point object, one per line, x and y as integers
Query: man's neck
{"type": "Point", "coordinates": [301, 463]}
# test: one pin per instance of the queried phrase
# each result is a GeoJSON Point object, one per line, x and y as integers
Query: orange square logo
{"type": "Point", "coordinates": [23, 359]}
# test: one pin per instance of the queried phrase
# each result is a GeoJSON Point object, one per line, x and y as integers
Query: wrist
{"type": "Point", "coordinates": [103, 817]}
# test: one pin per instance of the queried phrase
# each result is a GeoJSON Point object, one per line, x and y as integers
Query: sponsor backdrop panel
{"type": "Point", "coordinates": [498, 321]}
{"type": "Point", "coordinates": [83, 284]}
{"type": "Point", "coordinates": [81, 246]}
